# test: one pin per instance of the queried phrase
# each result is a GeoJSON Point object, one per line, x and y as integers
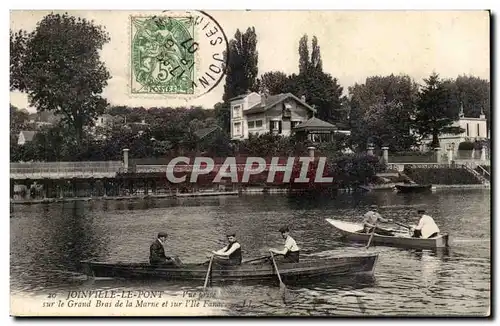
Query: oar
{"type": "Point", "coordinates": [403, 225]}
{"type": "Point", "coordinates": [282, 285]}
{"type": "Point", "coordinates": [371, 236]}
{"type": "Point", "coordinates": [208, 271]}
{"type": "Point", "coordinates": [256, 259]}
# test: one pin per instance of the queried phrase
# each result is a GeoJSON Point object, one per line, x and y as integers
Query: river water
{"type": "Point", "coordinates": [48, 241]}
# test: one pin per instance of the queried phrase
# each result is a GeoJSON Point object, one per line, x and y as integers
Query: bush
{"type": "Point", "coordinates": [466, 146]}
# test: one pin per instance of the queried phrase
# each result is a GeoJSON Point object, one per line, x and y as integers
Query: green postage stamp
{"type": "Point", "coordinates": [176, 54]}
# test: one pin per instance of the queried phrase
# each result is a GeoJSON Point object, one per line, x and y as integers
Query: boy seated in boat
{"type": "Point", "coordinates": [426, 227]}
{"type": "Point", "coordinates": [157, 255]}
{"type": "Point", "coordinates": [291, 251]}
{"type": "Point", "coordinates": [370, 220]}
{"type": "Point", "coordinates": [230, 254]}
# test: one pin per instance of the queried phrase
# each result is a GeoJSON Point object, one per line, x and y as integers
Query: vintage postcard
{"type": "Point", "coordinates": [250, 163]}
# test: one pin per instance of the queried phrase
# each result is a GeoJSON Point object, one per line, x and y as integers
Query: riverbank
{"type": "Point", "coordinates": [476, 186]}
{"type": "Point", "coordinates": [249, 191]}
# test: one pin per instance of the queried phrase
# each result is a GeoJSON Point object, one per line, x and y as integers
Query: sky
{"type": "Point", "coordinates": [354, 45]}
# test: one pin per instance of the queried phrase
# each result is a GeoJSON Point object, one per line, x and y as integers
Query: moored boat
{"type": "Point", "coordinates": [413, 187]}
{"type": "Point", "coordinates": [363, 264]}
{"type": "Point", "coordinates": [353, 232]}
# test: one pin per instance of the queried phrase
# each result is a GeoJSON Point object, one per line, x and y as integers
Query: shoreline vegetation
{"type": "Point", "coordinates": [253, 191]}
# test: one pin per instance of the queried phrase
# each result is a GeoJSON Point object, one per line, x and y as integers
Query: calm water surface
{"type": "Point", "coordinates": [47, 242]}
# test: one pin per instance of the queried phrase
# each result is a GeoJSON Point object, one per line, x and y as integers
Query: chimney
{"type": "Point", "coordinates": [263, 97]}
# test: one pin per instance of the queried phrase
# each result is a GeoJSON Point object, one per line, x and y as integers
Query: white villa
{"type": "Point", "coordinates": [475, 129]}
{"type": "Point", "coordinates": [281, 114]}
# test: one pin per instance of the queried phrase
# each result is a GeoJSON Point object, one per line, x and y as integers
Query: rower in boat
{"type": "Point", "coordinates": [426, 227]}
{"type": "Point", "coordinates": [291, 251]}
{"type": "Point", "coordinates": [157, 255]}
{"type": "Point", "coordinates": [370, 220]}
{"type": "Point", "coordinates": [230, 254]}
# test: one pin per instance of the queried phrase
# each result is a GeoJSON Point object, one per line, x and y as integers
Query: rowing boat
{"type": "Point", "coordinates": [406, 188]}
{"type": "Point", "coordinates": [353, 232]}
{"type": "Point", "coordinates": [363, 264]}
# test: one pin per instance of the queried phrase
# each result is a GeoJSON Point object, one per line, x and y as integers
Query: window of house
{"type": "Point", "coordinates": [478, 130]}
{"type": "Point", "coordinates": [467, 128]}
{"type": "Point", "coordinates": [295, 124]}
{"type": "Point", "coordinates": [275, 125]}
{"type": "Point", "coordinates": [236, 111]}
{"type": "Point", "coordinates": [258, 124]}
{"type": "Point", "coordinates": [251, 124]}
{"type": "Point", "coordinates": [237, 128]}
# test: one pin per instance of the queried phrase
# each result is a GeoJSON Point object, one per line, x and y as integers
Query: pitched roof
{"type": "Point", "coordinates": [315, 123]}
{"type": "Point", "coordinates": [239, 97]}
{"type": "Point", "coordinates": [272, 100]}
{"type": "Point", "coordinates": [202, 133]}
{"type": "Point", "coordinates": [28, 134]}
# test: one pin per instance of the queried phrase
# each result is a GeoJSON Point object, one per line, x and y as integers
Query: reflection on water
{"type": "Point", "coordinates": [48, 241]}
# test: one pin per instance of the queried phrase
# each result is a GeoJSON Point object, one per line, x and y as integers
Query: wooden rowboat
{"type": "Point", "coordinates": [413, 187]}
{"type": "Point", "coordinates": [337, 266]}
{"type": "Point", "coordinates": [353, 232]}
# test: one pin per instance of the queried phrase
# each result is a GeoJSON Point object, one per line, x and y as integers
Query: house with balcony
{"type": "Point", "coordinates": [282, 114]}
{"type": "Point", "coordinates": [255, 113]}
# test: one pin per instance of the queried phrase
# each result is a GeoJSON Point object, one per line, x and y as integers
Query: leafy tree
{"type": "Point", "coordinates": [316, 62]}
{"type": "Point", "coordinates": [434, 116]}
{"type": "Point", "coordinates": [273, 82]}
{"type": "Point", "coordinates": [242, 62]}
{"type": "Point", "coordinates": [319, 88]}
{"type": "Point", "coordinates": [18, 121]}
{"type": "Point", "coordinates": [303, 55]}
{"type": "Point", "coordinates": [58, 66]}
{"type": "Point", "coordinates": [18, 54]}
{"type": "Point", "coordinates": [471, 92]}
{"type": "Point", "coordinates": [223, 116]}
{"type": "Point", "coordinates": [381, 111]}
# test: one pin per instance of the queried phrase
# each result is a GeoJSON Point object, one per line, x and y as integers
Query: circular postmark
{"type": "Point", "coordinates": [177, 54]}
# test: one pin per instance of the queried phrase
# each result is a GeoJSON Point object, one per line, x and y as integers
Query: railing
{"type": "Point", "coordinates": [412, 159]}
{"type": "Point", "coordinates": [64, 169]}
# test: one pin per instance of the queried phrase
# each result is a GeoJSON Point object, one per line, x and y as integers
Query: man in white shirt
{"type": "Point", "coordinates": [370, 220]}
{"type": "Point", "coordinates": [231, 254]}
{"type": "Point", "coordinates": [426, 227]}
{"type": "Point", "coordinates": [291, 251]}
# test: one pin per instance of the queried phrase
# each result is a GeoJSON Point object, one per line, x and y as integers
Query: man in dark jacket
{"type": "Point", "coordinates": [157, 255]}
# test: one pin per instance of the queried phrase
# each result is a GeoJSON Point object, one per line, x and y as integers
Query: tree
{"type": "Point", "coordinates": [319, 88]}
{"type": "Point", "coordinates": [434, 116]}
{"type": "Point", "coordinates": [223, 116]}
{"type": "Point", "coordinates": [471, 92]}
{"type": "Point", "coordinates": [241, 75]}
{"type": "Point", "coordinates": [381, 111]}
{"type": "Point", "coordinates": [18, 121]}
{"type": "Point", "coordinates": [18, 52]}
{"type": "Point", "coordinates": [273, 82]}
{"type": "Point", "coordinates": [58, 66]}
{"type": "Point", "coordinates": [316, 62]}
{"type": "Point", "coordinates": [303, 55]}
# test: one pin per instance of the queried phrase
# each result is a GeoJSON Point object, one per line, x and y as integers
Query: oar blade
{"type": "Point", "coordinates": [283, 292]}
